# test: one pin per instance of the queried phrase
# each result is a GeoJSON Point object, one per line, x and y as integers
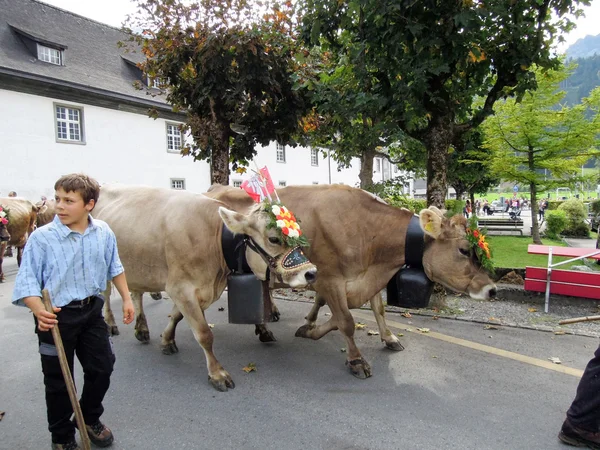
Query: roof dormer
{"type": "Point", "coordinates": [43, 49]}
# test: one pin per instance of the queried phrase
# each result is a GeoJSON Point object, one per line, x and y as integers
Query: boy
{"type": "Point", "coordinates": [72, 257]}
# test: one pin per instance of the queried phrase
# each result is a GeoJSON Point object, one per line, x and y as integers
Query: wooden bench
{"type": "Point", "coordinates": [499, 224]}
{"type": "Point", "coordinates": [562, 282]}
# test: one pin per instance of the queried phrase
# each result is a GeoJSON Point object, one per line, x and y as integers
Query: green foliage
{"type": "Point", "coordinates": [595, 207]}
{"type": "Point", "coordinates": [423, 62]}
{"type": "Point", "coordinates": [477, 239]}
{"type": "Point", "coordinates": [556, 222]}
{"type": "Point", "coordinates": [454, 207]}
{"type": "Point", "coordinates": [229, 66]}
{"type": "Point", "coordinates": [411, 204]}
{"type": "Point", "coordinates": [576, 216]}
{"type": "Point", "coordinates": [583, 79]}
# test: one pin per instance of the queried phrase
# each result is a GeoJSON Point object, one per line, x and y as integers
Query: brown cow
{"type": "Point", "coordinates": [171, 240]}
{"type": "Point", "coordinates": [46, 212]}
{"type": "Point", "coordinates": [358, 243]}
{"type": "Point", "coordinates": [21, 223]}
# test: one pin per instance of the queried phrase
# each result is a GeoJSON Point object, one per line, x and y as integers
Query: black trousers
{"type": "Point", "coordinates": [85, 334]}
{"type": "Point", "coordinates": [585, 409]}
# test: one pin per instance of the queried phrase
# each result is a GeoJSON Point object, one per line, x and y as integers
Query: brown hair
{"type": "Point", "coordinates": [87, 187]}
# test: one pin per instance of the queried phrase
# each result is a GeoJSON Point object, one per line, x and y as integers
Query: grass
{"type": "Point", "coordinates": [511, 252]}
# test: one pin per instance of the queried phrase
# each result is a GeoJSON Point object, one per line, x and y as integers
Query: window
{"type": "Point", "coordinates": [237, 183]}
{"type": "Point", "coordinates": [49, 55]}
{"type": "Point", "coordinates": [280, 153]}
{"type": "Point", "coordinates": [68, 124]}
{"type": "Point", "coordinates": [282, 183]}
{"type": "Point", "coordinates": [377, 165]}
{"type": "Point", "coordinates": [178, 183]}
{"type": "Point", "coordinates": [173, 138]}
{"type": "Point", "coordinates": [154, 82]}
{"type": "Point", "coordinates": [314, 157]}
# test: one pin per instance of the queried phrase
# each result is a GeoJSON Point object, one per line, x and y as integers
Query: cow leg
{"type": "Point", "coordinates": [168, 345]}
{"type": "Point", "coordinates": [2, 250]}
{"type": "Point", "coordinates": [142, 333]}
{"type": "Point", "coordinates": [19, 256]}
{"type": "Point", "coordinates": [390, 339]}
{"type": "Point", "coordinates": [311, 317]}
{"type": "Point", "coordinates": [109, 317]}
{"type": "Point", "coordinates": [188, 301]}
{"type": "Point", "coordinates": [264, 334]}
{"type": "Point", "coordinates": [341, 319]}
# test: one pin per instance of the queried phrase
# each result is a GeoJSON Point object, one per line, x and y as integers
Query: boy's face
{"type": "Point", "coordinates": [71, 209]}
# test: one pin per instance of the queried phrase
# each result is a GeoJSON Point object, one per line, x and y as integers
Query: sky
{"type": "Point", "coordinates": [113, 12]}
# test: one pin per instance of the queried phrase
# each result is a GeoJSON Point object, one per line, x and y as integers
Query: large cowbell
{"type": "Point", "coordinates": [410, 287]}
{"type": "Point", "coordinates": [247, 300]}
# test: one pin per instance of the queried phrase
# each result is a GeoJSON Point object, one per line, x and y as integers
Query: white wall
{"type": "Point", "coordinates": [119, 147]}
{"type": "Point", "coordinates": [123, 147]}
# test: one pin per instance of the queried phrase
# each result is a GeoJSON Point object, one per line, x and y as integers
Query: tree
{"type": "Point", "coordinates": [467, 171]}
{"type": "Point", "coordinates": [230, 67]}
{"type": "Point", "coordinates": [431, 58]}
{"type": "Point", "coordinates": [539, 144]}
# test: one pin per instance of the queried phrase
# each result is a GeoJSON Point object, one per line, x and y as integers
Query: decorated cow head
{"type": "Point", "coordinates": [274, 241]}
{"type": "Point", "coordinates": [455, 254]}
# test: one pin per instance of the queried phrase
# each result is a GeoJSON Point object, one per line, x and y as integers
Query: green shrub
{"type": "Point", "coordinates": [580, 230]}
{"type": "Point", "coordinates": [455, 206]}
{"type": "Point", "coordinates": [595, 207]}
{"type": "Point", "coordinates": [576, 215]}
{"type": "Point", "coordinates": [401, 201]}
{"type": "Point", "coordinates": [556, 222]}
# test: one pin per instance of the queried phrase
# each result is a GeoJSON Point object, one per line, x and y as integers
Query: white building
{"type": "Point", "coordinates": [68, 104]}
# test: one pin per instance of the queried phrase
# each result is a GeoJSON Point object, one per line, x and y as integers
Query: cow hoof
{"type": "Point", "coordinates": [156, 295]}
{"type": "Point", "coordinates": [113, 330]}
{"type": "Point", "coordinates": [303, 331]}
{"type": "Point", "coordinates": [267, 336]}
{"type": "Point", "coordinates": [142, 336]}
{"type": "Point", "coordinates": [223, 384]}
{"type": "Point", "coordinates": [359, 368]}
{"type": "Point", "coordinates": [395, 346]}
{"type": "Point", "coordinates": [275, 315]}
{"type": "Point", "coordinates": [170, 349]}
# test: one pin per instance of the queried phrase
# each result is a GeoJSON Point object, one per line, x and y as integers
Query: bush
{"type": "Point", "coordinates": [400, 201]}
{"type": "Point", "coordinates": [576, 216]}
{"type": "Point", "coordinates": [455, 207]}
{"type": "Point", "coordinates": [556, 222]}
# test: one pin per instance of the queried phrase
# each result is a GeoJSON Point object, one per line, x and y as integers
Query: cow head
{"type": "Point", "coordinates": [448, 259]}
{"type": "Point", "coordinates": [266, 249]}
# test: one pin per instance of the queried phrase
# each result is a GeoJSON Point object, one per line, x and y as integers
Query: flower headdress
{"type": "Point", "coordinates": [4, 211]}
{"type": "Point", "coordinates": [283, 220]}
{"type": "Point", "coordinates": [476, 238]}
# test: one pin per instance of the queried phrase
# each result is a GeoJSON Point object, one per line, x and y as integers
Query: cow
{"type": "Point", "coordinates": [358, 243]}
{"type": "Point", "coordinates": [171, 241]}
{"type": "Point", "coordinates": [22, 215]}
{"type": "Point", "coordinates": [46, 212]}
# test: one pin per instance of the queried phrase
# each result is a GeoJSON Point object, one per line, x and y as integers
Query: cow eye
{"type": "Point", "coordinates": [274, 240]}
{"type": "Point", "coordinates": [465, 251]}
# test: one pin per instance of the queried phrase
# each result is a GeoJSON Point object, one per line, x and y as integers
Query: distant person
{"type": "Point", "coordinates": [12, 194]}
{"type": "Point", "coordinates": [581, 428]}
{"type": "Point", "coordinates": [486, 207]}
{"type": "Point", "coordinates": [542, 209]}
{"type": "Point", "coordinates": [467, 209]}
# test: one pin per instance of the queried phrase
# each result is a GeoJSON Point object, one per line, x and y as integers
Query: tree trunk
{"type": "Point", "coordinates": [437, 142]}
{"type": "Point", "coordinates": [535, 226]}
{"type": "Point", "coordinates": [366, 169]}
{"type": "Point", "coordinates": [219, 163]}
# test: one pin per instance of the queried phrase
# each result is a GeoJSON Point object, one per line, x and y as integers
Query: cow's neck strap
{"type": "Point", "coordinates": [415, 244]}
{"type": "Point", "coordinates": [234, 251]}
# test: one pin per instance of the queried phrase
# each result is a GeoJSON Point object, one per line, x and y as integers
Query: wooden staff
{"type": "Point", "coordinates": [64, 366]}
{"type": "Point", "coordinates": [579, 319]}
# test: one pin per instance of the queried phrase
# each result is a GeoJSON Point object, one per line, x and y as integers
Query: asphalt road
{"type": "Point", "coordinates": [460, 386]}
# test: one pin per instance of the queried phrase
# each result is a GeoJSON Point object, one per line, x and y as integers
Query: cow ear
{"type": "Point", "coordinates": [431, 222]}
{"type": "Point", "coordinates": [235, 221]}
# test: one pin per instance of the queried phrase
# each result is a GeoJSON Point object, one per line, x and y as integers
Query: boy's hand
{"type": "Point", "coordinates": [46, 320]}
{"type": "Point", "coordinates": [128, 311]}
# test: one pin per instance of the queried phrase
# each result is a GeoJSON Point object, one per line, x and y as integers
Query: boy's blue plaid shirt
{"type": "Point", "coordinates": [72, 266]}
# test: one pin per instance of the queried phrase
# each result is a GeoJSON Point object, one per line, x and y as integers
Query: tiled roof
{"type": "Point", "coordinates": [92, 59]}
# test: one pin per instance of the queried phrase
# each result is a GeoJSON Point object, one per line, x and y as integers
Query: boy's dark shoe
{"type": "Point", "coordinates": [99, 434]}
{"type": "Point", "coordinates": [71, 445]}
{"type": "Point", "coordinates": [578, 437]}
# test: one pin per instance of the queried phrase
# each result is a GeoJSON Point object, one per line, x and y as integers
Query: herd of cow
{"type": "Point", "coordinates": [171, 241]}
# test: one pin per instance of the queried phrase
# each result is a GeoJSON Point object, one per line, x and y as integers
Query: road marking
{"type": "Point", "coordinates": [475, 346]}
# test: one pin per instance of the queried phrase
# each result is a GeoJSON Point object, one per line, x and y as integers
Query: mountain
{"type": "Point", "coordinates": [584, 48]}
